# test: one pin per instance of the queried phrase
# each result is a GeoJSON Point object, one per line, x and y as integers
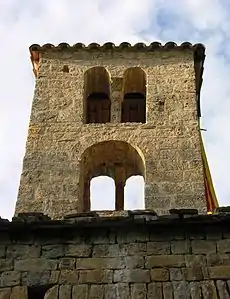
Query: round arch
{"type": "Point", "coordinates": [134, 95]}
{"type": "Point", "coordinates": [97, 101]}
{"type": "Point", "coordinates": [113, 158]}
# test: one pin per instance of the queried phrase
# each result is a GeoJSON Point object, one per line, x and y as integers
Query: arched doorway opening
{"type": "Point", "coordinates": [118, 160]}
{"type": "Point", "coordinates": [97, 95]}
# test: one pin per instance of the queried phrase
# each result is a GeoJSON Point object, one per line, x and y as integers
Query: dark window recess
{"type": "Point", "coordinates": [98, 108]}
{"type": "Point", "coordinates": [37, 292]}
{"type": "Point", "coordinates": [133, 108]}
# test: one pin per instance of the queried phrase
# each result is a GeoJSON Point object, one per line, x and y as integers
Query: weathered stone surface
{"type": "Point", "coordinates": [158, 274]}
{"type": "Point", "coordinates": [138, 291]}
{"type": "Point", "coordinates": [23, 251]}
{"type": "Point", "coordinates": [65, 292]}
{"type": "Point", "coordinates": [40, 278]}
{"type": "Point", "coordinates": [181, 290]}
{"type": "Point", "coordinates": [67, 263]}
{"type": "Point", "coordinates": [155, 248]}
{"type": "Point", "coordinates": [6, 264]}
{"type": "Point", "coordinates": [209, 290]}
{"type": "Point", "coordinates": [52, 293]}
{"type": "Point", "coordinates": [138, 249]}
{"type": "Point", "coordinates": [165, 261]}
{"type": "Point", "coordinates": [97, 263]}
{"type": "Point", "coordinates": [155, 290]}
{"type": "Point", "coordinates": [180, 247]}
{"type": "Point", "coordinates": [80, 291]}
{"type": "Point", "coordinates": [222, 289]}
{"type": "Point", "coordinates": [96, 291]}
{"type": "Point", "coordinates": [78, 250]}
{"type": "Point", "coordinates": [5, 293]}
{"type": "Point", "coordinates": [134, 262]}
{"type": "Point", "coordinates": [96, 276]}
{"type": "Point", "coordinates": [175, 274]}
{"type": "Point", "coordinates": [218, 259]}
{"type": "Point", "coordinates": [193, 260]}
{"type": "Point", "coordinates": [41, 264]}
{"type": "Point", "coordinates": [10, 278]}
{"type": "Point", "coordinates": [106, 250]}
{"type": "Point", "coordinates": [223, 246]}
{"type": "Point", "coordinates": [69, 276]}
{"type": "Point", "coordinates": [219, 272]}
{"type": "Point", "coordinates": [192, 274]}
{"type": "Point", "coordinates": [19, 292]}
{"type": "Point", "coordinates": [53, 251]}
{"type": "Point", "coordinates": [117, 290]}
{"type": "Point", "coordinates": [2, 251]}
{"type": "Point", "coordinates": [134, 275]}
{"type": "Point", "coordinates": [167, 290]}
{"type": "Point", "coordinates": [203, 246]}
{"type": "Point", "coordinates": [195, 290]}
{"type": "Point", "coordinates": [59, 144]}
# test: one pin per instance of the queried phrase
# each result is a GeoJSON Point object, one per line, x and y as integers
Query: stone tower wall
{"type": "Point", "coordinates": [133, 257]}
{"type": "Point", "coordinates": [168, 145]}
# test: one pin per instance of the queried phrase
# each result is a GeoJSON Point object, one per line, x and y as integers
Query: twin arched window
{"type": "Point", "coordinates": [98, 97]}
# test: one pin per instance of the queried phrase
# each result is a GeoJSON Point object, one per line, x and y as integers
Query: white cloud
{"type": "Point", "coordinates": [23, 22]}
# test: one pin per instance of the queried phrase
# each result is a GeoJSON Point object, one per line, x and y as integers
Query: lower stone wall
{"type": "Point", "coordinates": [122, 258]}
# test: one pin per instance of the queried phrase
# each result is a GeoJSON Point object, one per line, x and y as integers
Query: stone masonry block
{"type": "Point", "coordinates": [80, 291]}
{"type": "Point", "coordinates": [219, 272]}
{"type": "Point", "coordinates": [52, 293]}
{"type": "Point", "coordinates": [138, 291]}
{"type": "Point", "coordinates": [78, 250]}
{"type": "Point", "coordinates": [223, 246]}
{"type": "Point", "coordinates": [156, 248]}
{"type": "Point", "coordinates": [69, 277]}
{"type": "Point", "coordinates": [96, 291]}
{"type": "Point", "coordinates": [10, 278]}
{"type": "Point", "coordinates": [67, 263]}
{"type": "Point", "coordinates": [6, 265]}
{"type": "Point", "coordinates": [208, 290]}
{"type": "Point", "coordinates": [134, 275]}
{"type": "Point", "coordinates": [117, 290]}
{"type": "Point", "coordinates": [41, 264]}
{"type": "Point", "coordinates": [65, 292]}
{"type": "Point", "coordinates": [155, 290]}
{"type": "Point", "coordinates": [53, 251]}
{"type": "Point", "coordinates": [23, 251]}
{"type": "Point", "coordinates": [218, 259]}
{"type": "Point", "coordinates": [106, 250]}
{"type": "Point", "coordinates": [100, 263]}
{"type": "Point", "coordinates": [181, 290]}
{"type": "Point", "coordinates": [203, 246]}
{"type": "Point", "coordinates": [180, 247]}
{"type": "Point", "coordinates": [195, 290]}
{"type": "Point", "coordinates": [173, 261]}
{"type": "Point", "coordinates": [159, 274]}
{"type": "Point", "coordinates": [222, 289]}
{"type": "Point", "coordinates": [167, 290]}
{"type": "Point", "coordinates": [96, 276]}
{"type": "Point", "coordinates": [5, 293]}
{"type": "Point", "coordinates": [19, 292]}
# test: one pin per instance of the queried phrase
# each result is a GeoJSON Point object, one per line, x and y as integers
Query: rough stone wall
{"type": "Point", "coordinates": [136, 261]}
{"type": "Point", "coordinates": [168, 143]}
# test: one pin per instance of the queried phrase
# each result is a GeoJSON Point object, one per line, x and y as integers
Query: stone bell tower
{"type": "Point", "coordinates": [117, 111]}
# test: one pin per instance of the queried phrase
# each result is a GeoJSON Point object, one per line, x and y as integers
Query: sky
{"type": "Point", "coordinates": [24, 22]}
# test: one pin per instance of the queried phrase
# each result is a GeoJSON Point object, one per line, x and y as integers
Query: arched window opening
{"type": "Point", "coordinates": [134, 99]}
{"type": "Point", "coordinates": [114, 161]}
{"type": "Point", "coordinates": [97, 95]}
{"type": "Point", "coordinates": [102, 193]}
{"type": "Point", "coordinates": [134, 197]}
